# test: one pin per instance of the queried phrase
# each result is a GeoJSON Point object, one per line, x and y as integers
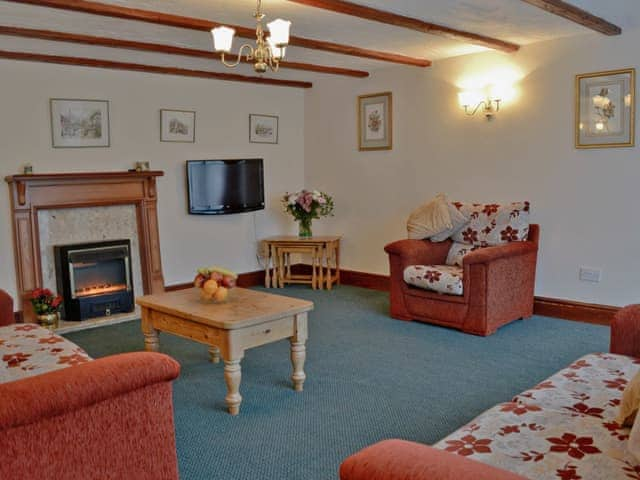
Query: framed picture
{"type": "Point", "coordinates": [375, 122]}
{"type": "Point", "coordinates": [79, 123]}
{"type": "Point", "coordinates": [263, 129]}
{"type": "Point", "coordinates": [177, 126]}
{"type": "Point", "coordinates": [606, 109]}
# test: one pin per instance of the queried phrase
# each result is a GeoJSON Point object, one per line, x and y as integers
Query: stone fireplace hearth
{"type": "Point", "coordinates": [55, 209]}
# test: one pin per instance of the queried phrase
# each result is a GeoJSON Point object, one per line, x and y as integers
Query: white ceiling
{"type": "Point", "coordinates": [511, 20]}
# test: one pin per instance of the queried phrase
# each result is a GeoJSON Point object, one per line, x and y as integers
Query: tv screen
{"type": "Point", "coordinates": [218, 187]}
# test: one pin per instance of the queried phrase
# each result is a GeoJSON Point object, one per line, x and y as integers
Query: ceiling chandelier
{"type": "Point", "coordinates": [267, 53]}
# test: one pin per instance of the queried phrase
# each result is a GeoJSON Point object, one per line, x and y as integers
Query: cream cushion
{"type": "Point", "coordinates": [429, 219]}
{"type": "Point", "coordinates": [630, 403]}
{"type": "Point", "coordinates": [437, 278]}
{"type": "Point", "coordinates": [458, 221]}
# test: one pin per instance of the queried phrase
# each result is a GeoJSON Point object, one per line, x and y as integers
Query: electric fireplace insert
{"type": "Point", "coordinates": [94, 279]}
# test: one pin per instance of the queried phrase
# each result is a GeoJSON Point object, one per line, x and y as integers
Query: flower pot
{"type": "Point", "coordinates": [304, 228]}
{"type": "Point", "coordinates": [49, 320]}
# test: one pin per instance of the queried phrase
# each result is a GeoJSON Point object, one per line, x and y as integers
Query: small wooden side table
{"type": "Point", "coordinates": [328, 255]}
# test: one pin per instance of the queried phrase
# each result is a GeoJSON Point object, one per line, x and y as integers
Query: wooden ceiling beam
{"type": "Point", "coordinates": [160, 18]}
{"type": "Point", "coordinates": [137, 67]}
{"type": "Point", "coordinates": [577, 15]}
{"type": "Point", "coordinates": [160, 48]}
{"type": "Point", "coordinates": [381, 16]}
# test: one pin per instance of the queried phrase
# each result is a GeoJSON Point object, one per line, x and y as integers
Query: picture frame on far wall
{"type": "Point", "coordinates": [79, 123]}
{"type": "Point", "coordinates": [375, 121]}
{"type": "Point", "coordinates": [606, 109]}
{"type": "Point", "coordinates": [263, 128]}
{"type": "Point", "coordinates": [177, 126]}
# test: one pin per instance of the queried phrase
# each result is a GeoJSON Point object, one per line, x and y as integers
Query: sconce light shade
{"type": "Point", "coordinates": [223, 39]}
{"type": "Point", "coordinates": [279, 30]}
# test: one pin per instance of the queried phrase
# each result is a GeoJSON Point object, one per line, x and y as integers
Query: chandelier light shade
{"type": "Point", "coordinates": [223, 39]}
{"type": "Point", "coordinates": [267, 52]}
{"type": "Point", "coordinates": [279, 30]}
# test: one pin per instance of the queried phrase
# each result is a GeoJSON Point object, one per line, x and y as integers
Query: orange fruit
{"type": "Point", "coordinates": [210, 287]}
{"type": "Point", "coordinates": [221, 294]}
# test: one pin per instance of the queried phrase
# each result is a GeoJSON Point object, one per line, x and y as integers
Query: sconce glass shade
{"type": "Point", "coordinates": [223, 39]}
{"type": "Point", "coordinates": [279, 30]}
{"type": "Point", "coordinates": [277, 52]}
{"type": "Point", "coordinates": [470, 98]}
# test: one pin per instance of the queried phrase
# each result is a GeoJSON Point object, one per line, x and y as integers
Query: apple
{"type": "Point", "coordinates": [217, 276]}
{"type": "Point", "coordinates": [210, 286]}
{"type": "Point", "coordinates": [228, 281]}
{"type": "Point", "coordinates": [221, 294]}
{"type": "Point", "coordinates": [199, 280]}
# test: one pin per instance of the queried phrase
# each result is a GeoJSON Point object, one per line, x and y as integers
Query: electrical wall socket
{"type": "Point", "coordinates": [588, 274]}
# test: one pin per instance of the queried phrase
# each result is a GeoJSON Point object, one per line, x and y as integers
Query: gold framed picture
{"type": "Point", "coordinates": [375, 121]}
{"type": "Point", "coordinates": [606, 109]}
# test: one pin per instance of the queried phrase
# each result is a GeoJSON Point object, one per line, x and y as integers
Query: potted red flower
{"type": "Point", "coordinates": [46, 304]}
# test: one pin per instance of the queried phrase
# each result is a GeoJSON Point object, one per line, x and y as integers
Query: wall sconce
{"type": "Point", "coordinates": [488, 98]}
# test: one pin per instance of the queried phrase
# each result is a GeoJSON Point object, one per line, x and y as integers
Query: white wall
{"type": "Point", "coordinates": [135, 100]}
{"type": "Point", "coordinates": [585, 201]}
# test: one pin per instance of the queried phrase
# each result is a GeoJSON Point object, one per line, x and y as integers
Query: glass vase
{"type": "Point", "coordinates": [304, 228]}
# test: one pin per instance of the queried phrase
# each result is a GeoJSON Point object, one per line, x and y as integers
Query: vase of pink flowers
{"type": "Point", "coordinates": [46, 306]}
{"type": "Point", "coordinates": [305, 206]}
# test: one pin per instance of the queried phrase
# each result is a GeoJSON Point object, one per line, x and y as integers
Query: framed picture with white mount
{"type": "Point", "coordinates": [178, 126]}
{"type": "Point", "coordinates": [375, 122]}
{"type": "Point", "coordinates": [263, 128]}
{"type": "Point", "coordinates": [606, 109]}
{"type": "Point", "coordinates": [79, 123]}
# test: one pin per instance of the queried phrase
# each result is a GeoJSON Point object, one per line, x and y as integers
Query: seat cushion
{"type": "Point", "coordinates": [457, 253]}
{"type": "Point", "coordinates": [28, 349]}
{"type": "Point", "coordinates": [493, 224]}
{"type": "Point", "coordinates": [545, 444]}
{"type": "Point", "coordinates": [438, 278]}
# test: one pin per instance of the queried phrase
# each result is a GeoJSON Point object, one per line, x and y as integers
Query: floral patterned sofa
{"type": "Point", "coordinates": [66, 416]}
{"type": "Point", "coordinates": [564, 428]}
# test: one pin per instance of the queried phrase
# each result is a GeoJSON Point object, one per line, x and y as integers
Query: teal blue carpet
{"type": "Point", "coordinates": [369, 377]}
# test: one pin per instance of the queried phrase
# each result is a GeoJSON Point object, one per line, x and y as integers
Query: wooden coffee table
{"type": "Point", "coordinates": [247, 319]}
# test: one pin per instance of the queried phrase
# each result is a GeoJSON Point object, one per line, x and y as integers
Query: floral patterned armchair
{"type": "Point", "coordinates": [482, 285]}
{"type": "Point", "coordinates": [6, 308]}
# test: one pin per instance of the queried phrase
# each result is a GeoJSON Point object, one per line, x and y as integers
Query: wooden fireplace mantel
{"type": "Point", "coordinates": [31, 193]}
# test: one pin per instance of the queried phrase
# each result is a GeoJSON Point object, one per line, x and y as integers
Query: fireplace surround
{"type": "Point", "coordinates": [32, 193]}
{"type": "Point", "coordinates": [94, 279]}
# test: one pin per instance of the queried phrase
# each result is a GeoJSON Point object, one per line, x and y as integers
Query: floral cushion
{"type": "Point", "coordinates": [493, 224]}
{"type": "Point", "coordinates": [563, 428]}
{"type": "Point", "coordinates": [457, 252]}
{"type": "Point", "coordinates": [28, 349]}
{"type": "Point", "coordinates": [591, 385]}
{"type": "Point", "coordinates": [439, 278]}
{"type": "Point", "coordinates": [545, 444]}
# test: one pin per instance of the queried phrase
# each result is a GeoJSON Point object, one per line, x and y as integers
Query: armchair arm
{"type": "Point", "coordinates": [6, 309]}
{"type": "Point", "coordinates": [625, 331]}
{"type": "Point", "coordinates": [402, 460]}
{"type": "Point", "coordinates": [64, 391]}
{"type": "Point", "coordinates": [413, 252]}
{"type": "Point", "coordinates": [489, 254]}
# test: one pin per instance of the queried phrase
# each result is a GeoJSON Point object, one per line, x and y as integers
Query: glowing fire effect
{"type": "Point", "coordinates": [100, 290]}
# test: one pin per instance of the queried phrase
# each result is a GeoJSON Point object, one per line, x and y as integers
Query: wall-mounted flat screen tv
{"type": "Point", "coordinates": [219, 187]}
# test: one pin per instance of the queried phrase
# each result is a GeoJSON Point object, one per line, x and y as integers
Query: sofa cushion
{"type": "Point", "coordinates": [592, 385]}
{"type": "Point", "coordinates": [545, 444]}
{"type": "Point", "coordinates": [493, 224]}
{"type": "Point", "coordinates": [630, 402]}
{"type": "Point", "coordinates": [457, 253]}
{"type": "Point", "coordinates": [430, 219]}
{"type": "Point", "coordinates": [27, 349]}
{"type": "Point", "coordinates": [438, 278]}
{"type": "Point", "coordinates": [458, 221]}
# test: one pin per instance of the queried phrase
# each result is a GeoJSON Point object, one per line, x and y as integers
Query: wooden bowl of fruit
{"type": "Point", "coordinates": [214, 283]}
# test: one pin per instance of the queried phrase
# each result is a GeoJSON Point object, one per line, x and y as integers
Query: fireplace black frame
{"type": "Point", "coordinates": [77, 308]}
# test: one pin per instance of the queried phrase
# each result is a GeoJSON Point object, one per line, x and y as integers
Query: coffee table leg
{"type": "Point", "coordinates": [214, 354]}
{"type": "Point", "coordinates": [232, 376]}
{"type": "Point", "coordinates": [151, 340]}
{"type": "Point", "coordinates": [299, 351]}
